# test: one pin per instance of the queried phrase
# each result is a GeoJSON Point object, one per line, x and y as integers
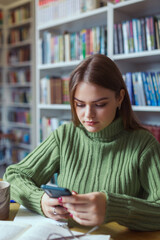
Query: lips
{"type": "Point", "coordinates": [90, 123]}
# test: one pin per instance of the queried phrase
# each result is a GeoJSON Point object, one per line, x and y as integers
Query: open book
{"type": "Point", "coordinates": [41, 231]}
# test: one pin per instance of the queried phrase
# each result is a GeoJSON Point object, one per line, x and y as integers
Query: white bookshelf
{"type": "Point", "coordinates": [139, 61]}
{"type": "Point", "coordinates": [18, 66]}
{"type": "Point", "coordinates": [73, 23]}
{"type": "Point", "coordinates": [131, 62]}
{"type": "Point", "coordinates": [2, 70]}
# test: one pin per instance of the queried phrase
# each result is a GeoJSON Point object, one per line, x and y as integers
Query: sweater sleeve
{"type": "Point", "coordinates": [140, 213]}
{"type": "Point", "coordinates": [36, 169]}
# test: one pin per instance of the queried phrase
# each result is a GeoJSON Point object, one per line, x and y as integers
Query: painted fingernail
{"type": "Point", "coordinates": [60, 200]}
{"type": "Point", "coordinates": [74, 192]}
{"type": "Point", "coordinates": [71, 215]}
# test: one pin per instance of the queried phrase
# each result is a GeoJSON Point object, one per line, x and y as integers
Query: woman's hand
{"type": "Point", "coordinates": [52, 209]}
{"type": "Point", "coordinates": [86, 209]}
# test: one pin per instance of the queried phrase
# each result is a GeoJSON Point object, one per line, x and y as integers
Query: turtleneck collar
{"type": "Point", "coordinates": [107, 134]}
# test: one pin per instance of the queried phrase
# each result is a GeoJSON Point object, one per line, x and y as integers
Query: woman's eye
{"type": "Point", "coordinates": [80, 105]}
{"type": "Point", "coordinates": [101, 105]}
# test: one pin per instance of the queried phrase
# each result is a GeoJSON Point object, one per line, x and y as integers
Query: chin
{"type": "Point", "coordinates": [92, 129]}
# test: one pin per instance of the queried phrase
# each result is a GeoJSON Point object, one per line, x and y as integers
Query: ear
{"type": "Point", "coordinates": [121, 97]}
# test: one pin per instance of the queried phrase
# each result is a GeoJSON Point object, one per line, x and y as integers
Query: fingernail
{"type": "Point", "coordinates": [74, 192]}
{"type": "Point", "coordinates": [71, 215]}
{"type": "Point", "coordinates": [60, 200]}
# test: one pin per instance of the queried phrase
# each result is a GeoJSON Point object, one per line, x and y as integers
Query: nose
{"type": "Point", "coordinates": [89, 112]}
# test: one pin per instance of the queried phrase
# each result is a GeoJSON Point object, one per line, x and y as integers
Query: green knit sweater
{"type": "Point", "coordinates": [125, 165]}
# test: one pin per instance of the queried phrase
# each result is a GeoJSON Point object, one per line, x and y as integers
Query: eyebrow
{"type": "Point", "coordinates": [100, 99]}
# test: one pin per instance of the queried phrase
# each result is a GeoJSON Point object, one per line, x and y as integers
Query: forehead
{"type": "Point", "coordinates": [90, 91]}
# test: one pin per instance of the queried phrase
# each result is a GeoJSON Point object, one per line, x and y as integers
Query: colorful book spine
{"type": "Point", "coordinates": [49, 10]}
{"type": "Point", "coordinates": [143, 88]}
{"type": "Point", "coordinates": [19, 116]}
{"type": "Point", "coordinates": [49, 124]}
{"type": "Point", "coordinates": [138, 34]}
{"type": "Point", "coordinates": [73, 46]}
{"type": "Point", "coordinates": [54, 90]}
{"type": "Point", "coordinates": [19, 76]}
{"type": "Point", "coordinates": [129, 85]}
{"type": "Point", "coordinates": [146, 90]}
{"type": "Point", "coordinates": [154, 79]}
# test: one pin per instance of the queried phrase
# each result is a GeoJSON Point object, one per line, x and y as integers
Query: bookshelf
{"type": "Point", "coordinates": [19, 84]}
{"type": "Point", "coordinates": [72, 26]}
{"type": "Point", "coordinates": [145, 60]}
{"type": "Point", "coordinates": [1, 64]}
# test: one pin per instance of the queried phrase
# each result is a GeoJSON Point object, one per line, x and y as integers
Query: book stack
{"type": "Point", "coordinates": [155, 130]}
{"type": "Point", "coordinates": [49, 124]}
{"type": "Point", "coordinates": [18, 35]}
{"type": "Point", "coordinates": [19, 76]}
{"type": "Point", "coordinates": [73, 46]}
{"type": "Point", "coordinates": [143, 88]}
{"type": "Point", "coordinates": [49, 10]}
{"type": "Point", "coordinates": [54, 90]}
{"type": "Point", "coordinates": [17, 154]}
{"type": "Point", "coordinates": [19, 116]}
{"type": "Point", "coordinates": [20, 96]}
{"type": "Point", "coordinates": [19, 55]}
{"type": "Point", "coordinates": [136, 35]}
{"type": "Point", "coordinates": [21, 136]}
{"type": "Point", "coordinates": [19, 14]}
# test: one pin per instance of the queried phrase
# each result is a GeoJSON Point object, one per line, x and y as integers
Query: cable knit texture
{"type": "Point", "coordinates": [125, 165]}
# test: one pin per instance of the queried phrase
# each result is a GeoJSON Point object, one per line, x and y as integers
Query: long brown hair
{"type": "Point", "coordinates": [101, 70]}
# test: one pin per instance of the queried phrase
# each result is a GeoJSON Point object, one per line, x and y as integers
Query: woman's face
{"type": "Point", "coordinates": [96, 106]}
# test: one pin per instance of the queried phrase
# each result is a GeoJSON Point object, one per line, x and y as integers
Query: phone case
{"type": "Point", "coordinates": [56, 192]}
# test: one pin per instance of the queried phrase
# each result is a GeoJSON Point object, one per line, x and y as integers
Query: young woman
{"type": "Point", "coordinates": [105, 156]}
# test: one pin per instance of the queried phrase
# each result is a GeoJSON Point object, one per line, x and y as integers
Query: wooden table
{"type": "Point", "coordinates": [116, 231]}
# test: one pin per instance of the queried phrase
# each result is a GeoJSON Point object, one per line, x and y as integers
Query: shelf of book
{"type": "Point", "coordinates": [19, 85]}
{"type": "Point", "coordinates": [134, 61]}
{"type": "Point", "coordinates": [18, 125]}
{"type": "Point", "coordinates": [19, 73]}
{"type": "Point", "coordinates": [140, 56]}
{"type": "Point", "coordinates": [55, 106]}
{"type": "Point", "coordinates": [146, 109]}
{"type": "Point", "coordinates": [59, 65]}
{"type": "Point", "coordinates": [21, 23]}
{"type": "Point", "coordinates": [20, 64]}
{"type": "Point", "coordinates": [2, 70]}
{"type": "Point", "coordinates": [18, 104]}
{"type": "Point", "coordinates": [71, 18]}
{"type": "Point", "coordinates": [19, 44]}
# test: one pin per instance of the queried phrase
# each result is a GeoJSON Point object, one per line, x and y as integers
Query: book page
{"type": "Point", "coordinates": [42, 227]}
{"type": "Point", "coordinates": [41, 231]}
{"type": "Point", "coordinates": [26, 216]}
{"type": "Point", "coordinates": [11, 231]}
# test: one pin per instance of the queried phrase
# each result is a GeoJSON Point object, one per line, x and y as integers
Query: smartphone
{"type": "Point", "coordinates": [56, 192]}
